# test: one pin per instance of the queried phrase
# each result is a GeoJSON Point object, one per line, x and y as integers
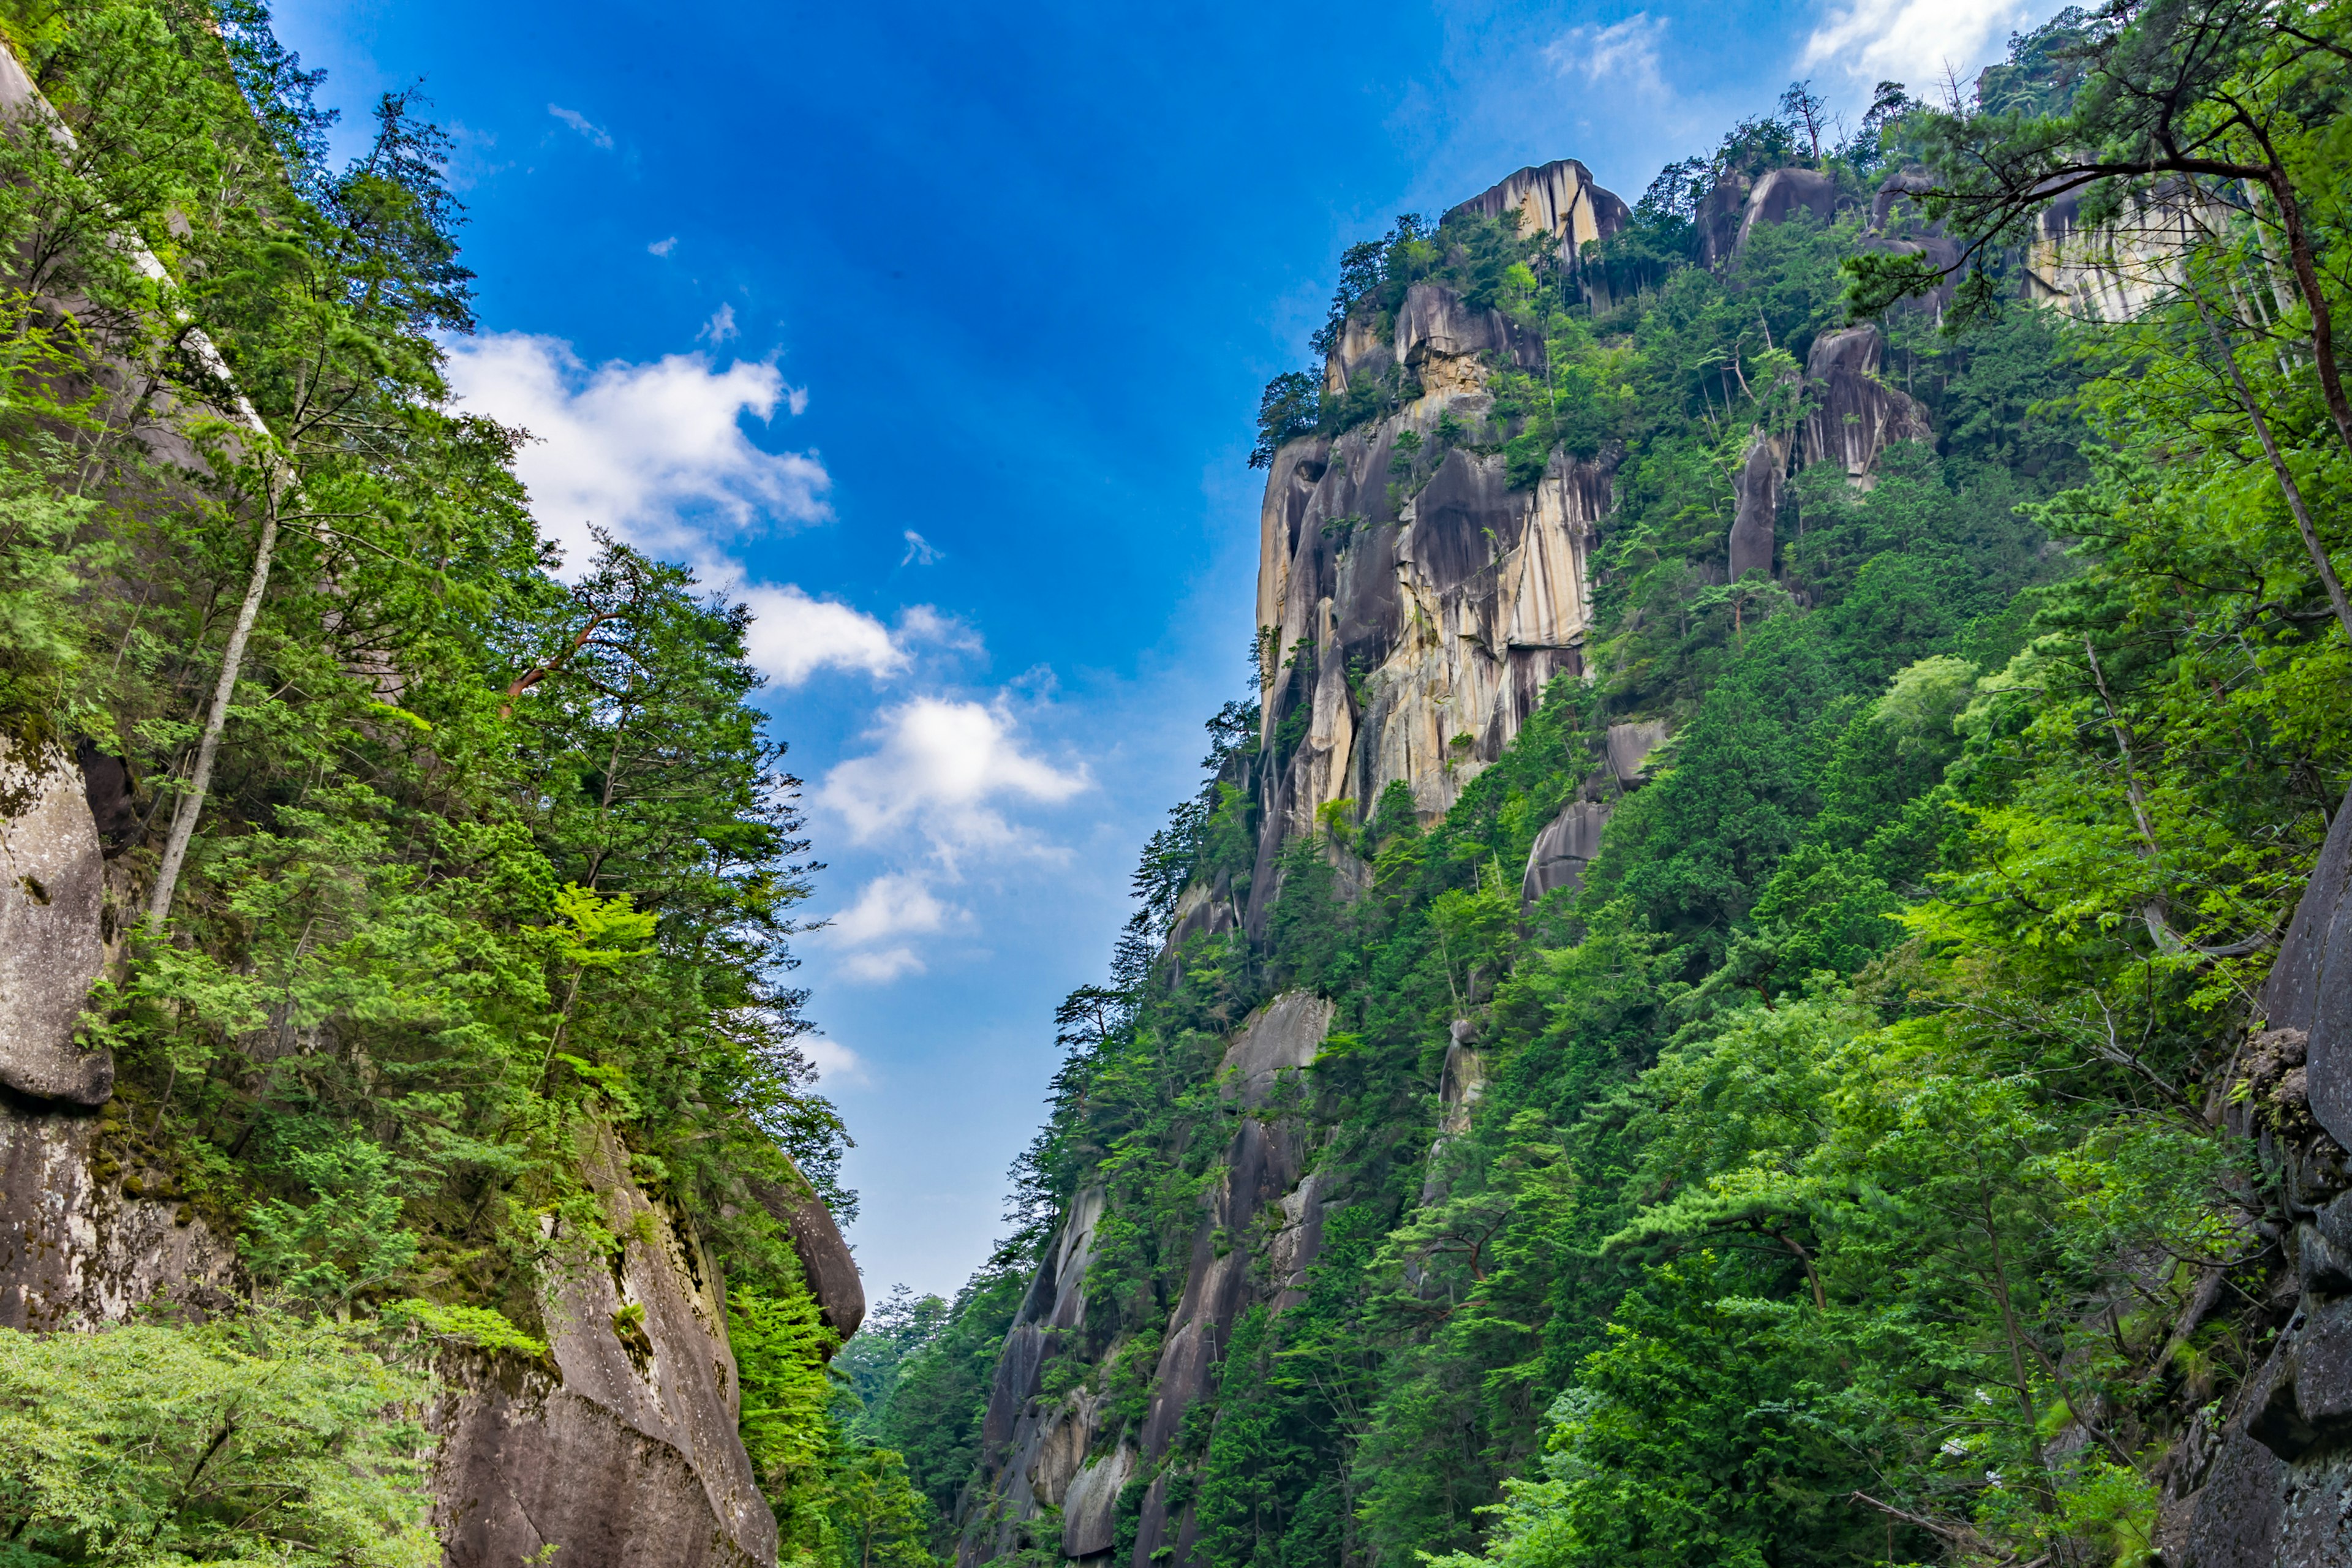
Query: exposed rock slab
{"type": "Point", "coordinates": [1631, 745]}
{"type": "Point", "coordinates": [1560, 199]}
{"type": "Point", "coordinates": [1855, 417]}
{"type": "Point", "coordinates": [52, 896]}
{"type": "Point", "coordinates": [628, 1456]}
{"type": "Point", "coordinates": [1563, 850]}
{"type": "Point", "coordinates": [826, 1260]}
{"type": "Point", "coordinates": [1783, 193]}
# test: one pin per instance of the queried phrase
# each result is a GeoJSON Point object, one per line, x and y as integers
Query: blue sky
{"type": "Point", "coordinates": [935, 332]}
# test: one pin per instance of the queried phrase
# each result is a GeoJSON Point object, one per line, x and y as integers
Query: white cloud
{"type": "Point", "coordinates": [833, 1060]}
{"type": "Point", "coordinates": [721, 327]}
{"type": "Point", "coordinates": [883, 967]}
{"type": "Point", "coordinates": [597, 135]}
{"type": "Point", "coordinates": [793, 635]}
{"type": "Point", "coordinates": [662, 246]}
{"type": "Point", "coordinates": [893, 905]}
{"type": "Point", "coordinates": [921, 552]}
{"type": "Point", "coordinates": [942, 770]}
{"type": "Point", "coordinates": [1625, 51]}
{"type": "Point", "coordinates": [1913, 41]}
{"type": "Point", "coordinates": [651, 452]}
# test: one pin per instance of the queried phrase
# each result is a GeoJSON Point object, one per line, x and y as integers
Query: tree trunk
{"type": "Point", "coordinates": [192, 804]}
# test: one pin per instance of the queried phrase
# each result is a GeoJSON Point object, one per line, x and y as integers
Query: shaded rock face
{"type": "Point", "coordinates": [628, 1457]}
{"type": "Point", "coordinates": [77, 1249]}
{"type": "Point", "coordinates": [1757, 489]}
{"type": "Point", "coordinates": [1631, 745]}
{"type": "Point", "coordinates": [2270, 1485]}
{"type": "Point", "coordinates": [1038, 1452]}
{"type": "Point", "coordinates": [52, 897]}
{"type": "Point", "coordinates": [1855, 417]}
{"type": "Point", "coordinates": [1563, 850]}
{"type": "Point", "coordinates": [1559, 199]}
{"type": "Point", "coordinates": [2310, 984]}
{"type": "Point", "coordinates": [1718, 219]}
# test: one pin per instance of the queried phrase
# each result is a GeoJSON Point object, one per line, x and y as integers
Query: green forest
{"type": "Point", "coordinates": [1861, 1169]}
{"type": "Point", "coordinates": [1850, 1181]}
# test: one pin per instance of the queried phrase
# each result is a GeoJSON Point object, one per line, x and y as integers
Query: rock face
{"type": "Point", "coordinates": [52, 896]}
{"type": "Point", "coordinates": [1559, 199]}
{"type": "Point", "coordinates": [1038, 1453]}
{"type": "Point", "coordinates": [628, 1457]}
{"type": "Point", "coordinates": [1756, 487]}
{"type": "Point", "coordinates": [89, 1231]}
{"type": "Point", "coordinates": [1417, 620]}
{"type": "Point", "coordinates": [2310, 986]}
{"type": "Point", "coordinates": [2268, 1485]}
{"type": "Point", "coordinates": [1855, 417]}
{"type": "Point", "coordinates": [1782, 193]}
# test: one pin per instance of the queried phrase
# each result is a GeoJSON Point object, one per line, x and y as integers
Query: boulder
{"type": "Point", "coordinates": [1283, 1037]}
{"type": "Point", "coordinates": [1782, 193]}
{"type": "Point", "coordinates": [1630, 746]}
{"type": "Point", "coordinates": [52, 897]}
{"type": "Point", "coordinates": [1718, 219]}
{"type": "Point", "coordinates": [1854, 415]}
{"type": "Point", "coordinates": [1757, 489]}
{"type": "Point", "coordinates": [1563, 850]}
{"type": "Point", "coordinates": [826, 1259]}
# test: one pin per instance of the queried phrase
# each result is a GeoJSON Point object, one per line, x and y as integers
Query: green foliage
{"type": "Point", "coordinates": [261, 1439]}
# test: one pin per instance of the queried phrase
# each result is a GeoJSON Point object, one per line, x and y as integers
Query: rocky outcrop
{"type": "Point", "coordinates": [1416, 617]}
{"type": "Point", "coordinates": [624, 1456]}
{"type": "Point", "coordinates": [1039, 1452]}
{"type": "Point", "coordinates": [1563, 850]}
{"type": "Point", "coordinates": [1560, 199]}
{"type": "Point", "coordinates": [2264, 1480]}
{"type": "Point", "coordinates": [1853, 416]}
{"type": "Point", "coordinates": [91, 1226]}
{"type": "Point", "coordinates": [1731, 211]}
{"type": "Point", "coordinates": [2310, 987]}
{"type": "Point", "coordinates": [826, 1260]}
{"type": "Point", "coordinates": [1782, 194]}
{"type": "Point", "coordinates": [2118, 269]}
{"type": "Point", "coordinates": [52, 902]}
{"type": "Point", "coordinates": [1756, 505]}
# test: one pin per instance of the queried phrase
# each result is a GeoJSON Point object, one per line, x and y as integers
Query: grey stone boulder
{"type": "Point", "coordinates": [1631, 745]}
{"type": "Point", "coordinates": [1718, 219]}
{"type": "Point", "coordinates": [624, 1454]}
{"type": "Point", "coordinates": [1783, 193]}
{"type": "Point", "coordinates": [52, 895]}
{"type": "Point", "coordinates": [90, 1230]}
{"type": "Point", "coordinates": [2310, 984]}
{"type": "Point", "coordinates": [1757, 486]}
{"type": "Point", "coordinates": [1563, 850]}
{"type": "Point", "coordinates": [826, 1259]}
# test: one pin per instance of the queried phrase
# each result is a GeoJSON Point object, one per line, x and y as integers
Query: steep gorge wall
{"type": "Point", "coordinates": [621, 1448]}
